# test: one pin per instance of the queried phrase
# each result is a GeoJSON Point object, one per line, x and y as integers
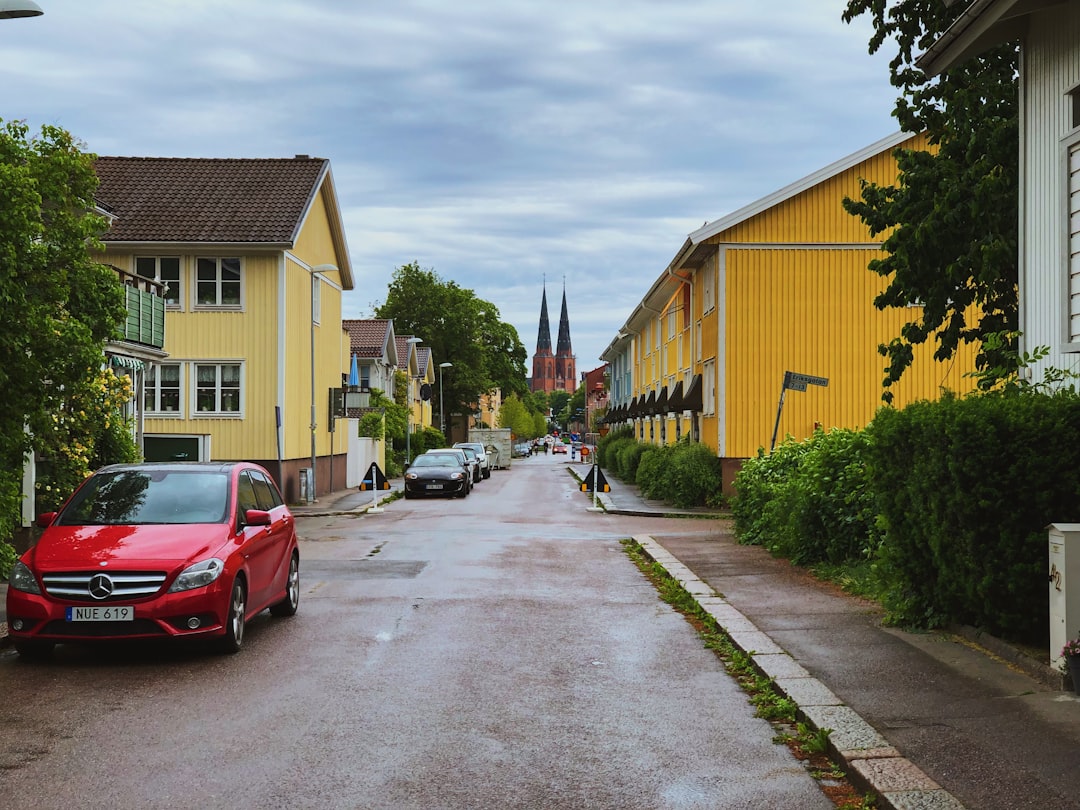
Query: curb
{"type": "Point", "coordinates": [870, 762]}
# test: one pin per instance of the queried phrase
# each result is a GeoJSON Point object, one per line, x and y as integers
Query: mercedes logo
{"type": "Point", "coordinates": [101, 587]}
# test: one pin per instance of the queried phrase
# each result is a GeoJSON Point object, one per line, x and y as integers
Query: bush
{"type": "Point", "coordinates": [966, 488]}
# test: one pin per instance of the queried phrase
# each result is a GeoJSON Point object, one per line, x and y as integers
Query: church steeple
{"type": "Point", "coordinates": [543, 339]}
{"type": "Point", "coordinates": [563, 347]}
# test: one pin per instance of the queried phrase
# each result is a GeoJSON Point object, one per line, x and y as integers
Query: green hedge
{"type": "Point", "coordinates": [966, 488]}
{"type": "Point", "coordinates": [684, 474]}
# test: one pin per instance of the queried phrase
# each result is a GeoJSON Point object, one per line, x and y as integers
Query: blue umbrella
{"type": "Point", "coordinates": [354, 374]}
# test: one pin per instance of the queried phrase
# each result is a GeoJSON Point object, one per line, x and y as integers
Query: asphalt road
{"type": "Point", "coordinates": [499, 651]}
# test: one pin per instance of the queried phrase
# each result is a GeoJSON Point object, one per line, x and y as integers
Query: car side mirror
{"type": "Point", "coordinates": [45, 519]}
{"type": "Point", "coordinates": [257, 517]}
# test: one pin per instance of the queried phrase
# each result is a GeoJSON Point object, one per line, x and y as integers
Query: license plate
{"type": "Point", "coordinates": [113, 613]}
{"type": "Point", "coordinates": [434, 486]}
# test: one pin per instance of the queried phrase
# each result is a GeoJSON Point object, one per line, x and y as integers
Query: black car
{"type": "Point", "coordinates": [437, 474]}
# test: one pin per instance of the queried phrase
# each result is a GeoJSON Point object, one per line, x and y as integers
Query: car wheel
{"type": "Point", "coordinates": [234, 624]}
{"type": "Point", "coordinates": [34, 650]}
{"type": "Point", "coordinates": [487, 473]}
{"type": "Point", "coordinates": [288, 605]}
{"type": "Point", "coordinates": [408, 495]}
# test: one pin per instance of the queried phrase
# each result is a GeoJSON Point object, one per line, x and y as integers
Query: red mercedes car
{"type": "Point", "coordinates": [144, 551]}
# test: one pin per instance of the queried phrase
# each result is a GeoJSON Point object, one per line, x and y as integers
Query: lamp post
{"type": "Point", "coordinates": [442, 413]}
{"type": "Point", "coordinates": [408, 414]}
{"type": "Point", "coordinates": [315, 271]}
{"type": "Point", "coordinates": [11, 9]}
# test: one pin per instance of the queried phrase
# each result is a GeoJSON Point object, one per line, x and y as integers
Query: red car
{"type": "Point", "coordinates": [558, 447]}
{"type": "Point", "coordinates": [145, 551]}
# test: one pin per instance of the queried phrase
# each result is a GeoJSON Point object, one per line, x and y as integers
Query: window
{"type": "Point", "coordinates": [708, 387]}
{"type": "Point", "coordinates": [671, 316]}
{"type": "Point", "coordinates": [365, 376]}
{"type": "Point", "coordinates": [165, 270]}
{"type": "Point", "coordinates": [217, 388]}
{"type": "Point", "coordinates": [316, 299]}
{"type": "Point", "coordinates": [708, 286]}
{"type": "Point", "coordinates": [265, 491]}
{"type": "Point", "coordinates": [161, 389]}
{"type": "Point", "coordinates": [1072, 223]}
{"type": "Point", "coordinates": [217, 282]}
{"type": "Point", "coordinates": [245, 494]}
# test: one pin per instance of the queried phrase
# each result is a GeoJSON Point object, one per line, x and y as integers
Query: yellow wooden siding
{"type": "Point", "coordinates": [816, 215]}
{"type": "Point", "coordinates": [811, 312]}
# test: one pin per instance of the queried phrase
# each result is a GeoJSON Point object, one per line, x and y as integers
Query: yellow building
{"type": "Point", "coordinates": [781, 285]}
{"type": "Point", "coordinates": [254, 258]}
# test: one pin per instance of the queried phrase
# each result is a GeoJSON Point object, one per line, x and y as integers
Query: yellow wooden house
{"type": "Point", "coordinates": [763, 324]}
{"type": "Point", "coordinates": [253, 256]}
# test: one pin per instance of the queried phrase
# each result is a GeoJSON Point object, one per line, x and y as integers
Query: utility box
{"type": "Point", "coordinates": [1064, 576]}
{"type": "Point", "coordinates": [306, 495]}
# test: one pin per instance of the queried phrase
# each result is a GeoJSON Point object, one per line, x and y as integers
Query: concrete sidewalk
{"type": "Point", "coordinates": [935, 721]}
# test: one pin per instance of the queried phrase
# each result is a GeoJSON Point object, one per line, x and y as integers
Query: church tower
{"type": "Point", "coordinates": [543, 369]}
{"type": "Point", "coordinates": [565, 376]}
{"type": "Point", "coordinates": [553, 372]}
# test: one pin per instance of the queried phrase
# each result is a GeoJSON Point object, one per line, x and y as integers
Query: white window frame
{"type": "Point", "coordinates": [219, 282]}
{"type": "Point", "coordinates": [174, 297]}
{"type": "Point", "coordinates": [708, 286]}
{"type": "Point", "coordinates": [152, 389]}
{"type": "Point", "coordinates": [219, 388]}
{"type": "Point", "coordinates": [1071, 225]}
{"type": "Point", "coordinates": [708, 387]}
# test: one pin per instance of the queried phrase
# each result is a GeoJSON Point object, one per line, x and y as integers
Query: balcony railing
{"type": "Point", "coordinates": [145, 321]}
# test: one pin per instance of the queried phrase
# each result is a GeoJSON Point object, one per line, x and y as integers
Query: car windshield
{"type": "Point", "coordinates": [127, 497]}
{"type": "Point", "coordinates": [435, 461]}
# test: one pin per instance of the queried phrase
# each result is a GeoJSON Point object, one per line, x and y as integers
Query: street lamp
{"type": "Point", "coordinates": [408, 414]}
{"type": "Point", "coordinates": [315, 278]}
{"type": "Point", "coordinates": [442, 413]}
{"type": "Point", "coordinates": [10, 9]}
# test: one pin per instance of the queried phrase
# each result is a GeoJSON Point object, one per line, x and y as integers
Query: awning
{"type": "Point", "coordinates": [649, 408]}
{"type": "Point", "coordinates": [692, 397]}
{"type": "Point", "coordinates": [675, 398]}
{"type": "Point", "coordinates": [635, 408]}
{"type": "Point", "coordinates": [661, 401]}
{"type": "Point", "coordinates": [120, 361]}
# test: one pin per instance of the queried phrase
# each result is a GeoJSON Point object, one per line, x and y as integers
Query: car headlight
{"type": "Point", "coordinates": [456, 476]}
{"type": "Point", "coordinates": [198, 575]}
{"type": "Point", "coordinates": [411, 476]}
{"type": "Point", "coordinates": [23, 579]}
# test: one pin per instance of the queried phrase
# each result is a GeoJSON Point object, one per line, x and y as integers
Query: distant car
{"type": "Point", "coordinates": [482, 454]}
{"type": "Point", "coordinates": [468, 460]}
{"type": "Point", "coordinates": [522, 450]}
{"type": "Point", "coordinates": [559, 447]}
{"type": "Point", "coordinates": [434, 473]}
{"type": "Point", "coordinates": [185, 550]}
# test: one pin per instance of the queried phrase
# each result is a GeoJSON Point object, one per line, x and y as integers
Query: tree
{"type": "Point", "coordinates": [515, 416]}
{"type": "Point", "coordinates": [951, 219]}
{"type": "Point", "coordinates": [60, 306]}
{"type": "Point", "coordinates": [461, 329]}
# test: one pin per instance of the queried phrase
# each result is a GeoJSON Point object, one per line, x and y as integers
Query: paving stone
{"type": "Point", "coordinates": [754, 641]}
{"type": "Point", "coordinates": [849, 731]}
{"type": "Point", "coordinates": [921, 800]}
{"type": "Point", "coordinates": [807, 691]}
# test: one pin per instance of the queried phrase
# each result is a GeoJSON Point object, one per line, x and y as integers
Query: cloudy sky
{"type": "Point", "coordinates": [498, 142]}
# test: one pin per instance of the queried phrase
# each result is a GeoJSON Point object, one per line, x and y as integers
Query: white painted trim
{"type": "Point", "coordinates": [721, 354]}
{"type": "Point", "coordinates": [282, 342]}
{"type": "Point", "coordinates": [718, 226]}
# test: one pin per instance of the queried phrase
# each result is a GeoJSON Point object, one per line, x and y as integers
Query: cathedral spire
{"type": "Point", "coordinates": [543, 338]}
{"type": "Point", "coordinates": [563, 347]}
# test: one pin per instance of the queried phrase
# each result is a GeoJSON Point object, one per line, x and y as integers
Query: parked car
{"type": "Point", "coordinates": [434, 473]}
{"type": "Point", "coordinates": [186, 550]}
{"type": "Point", "coordinates": [470, 454]}
{"type": "Point", "coordinates": [468, 460]}
{"type": "Point", "coordinates": [522, 450]}
{"type": "Point", "coordinates": [481, 454]}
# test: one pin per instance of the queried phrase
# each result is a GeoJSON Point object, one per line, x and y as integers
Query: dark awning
{"type": "Point", "coordinates": [692, 397]}
{"type": "Point", "coordinates": [649, 408]}
{"type": "Point", "coordinates": [661, 401]}
{"type": "Point", "coordinates": [634, 409]}
{"type": "Point", "coordinates": [675, 398]}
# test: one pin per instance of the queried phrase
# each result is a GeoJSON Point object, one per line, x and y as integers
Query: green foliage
{"type": "Point", "coordinates": [60, 306]}
{"type": "Point", "coordinates": [687, 474]}
{"type": "Point", "coordinates": [514, 415]}
{"type": "Point", "coordinates": [810, 501]}
{"type": "Point", "coordinates": [965, 488]}
{"type": "Point", "coordinates": [950, 221]}
{"type": "Point", "coordinates": [461, 329]}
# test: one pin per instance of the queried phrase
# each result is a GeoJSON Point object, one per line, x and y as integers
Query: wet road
{"type": "Point", "coordinates": [499, 651]}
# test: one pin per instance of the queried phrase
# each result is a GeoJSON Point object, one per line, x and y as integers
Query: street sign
{"type": "Point", "coordinates": [798, 382]}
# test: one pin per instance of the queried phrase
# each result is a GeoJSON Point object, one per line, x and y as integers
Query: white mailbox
{"type": "Point", "coordinates": [1064, 540]}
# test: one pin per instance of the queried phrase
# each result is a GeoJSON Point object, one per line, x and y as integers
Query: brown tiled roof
{"type": "Point", "coordinates": [402, 344]}
{"type": "Point", "coordinates": [423, 358]}
{"type": "Point", "coordinates": [234, 200]}
{"type": "Point", "coordinates": [368, 337]}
